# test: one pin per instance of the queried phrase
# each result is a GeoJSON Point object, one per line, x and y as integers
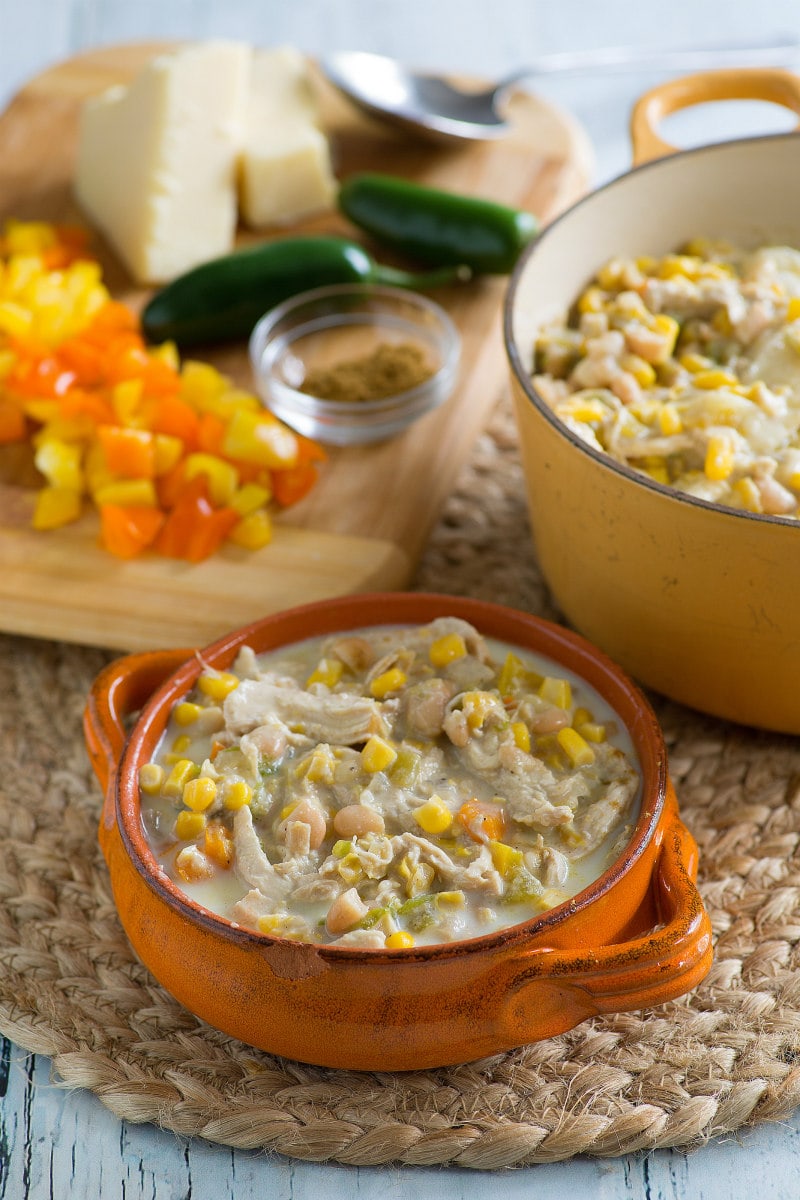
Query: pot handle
{"type": "Point", "coordinates": [117, 692]}
{"type": "Point", "coordinates": [746, 83]}
{"type": "Point", "coordinates": [648, 970]}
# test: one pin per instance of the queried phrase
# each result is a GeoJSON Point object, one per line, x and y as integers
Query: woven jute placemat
{"type": "Point", "coordinates": [725, 1057]}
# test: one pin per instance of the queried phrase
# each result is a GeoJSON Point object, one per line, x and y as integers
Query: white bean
{"type": "Point", "coordinates": [357, 819]}
{"type": "Point", "coordinates": [312, 815]}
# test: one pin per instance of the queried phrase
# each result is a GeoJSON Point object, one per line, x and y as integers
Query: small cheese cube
{"type": "Point", "coordinates": [157, 160]}
{"type": "Point", "coordinates": [285, 166]}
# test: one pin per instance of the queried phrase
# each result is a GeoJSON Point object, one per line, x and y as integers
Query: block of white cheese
{"type": "Point", "coordinates": [285, 166]}
{"type": "Point", "coordinates": [157, 160]}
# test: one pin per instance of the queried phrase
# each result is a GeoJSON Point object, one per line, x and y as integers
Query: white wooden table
{"type": "Point", "coordinates": [62, 1144]}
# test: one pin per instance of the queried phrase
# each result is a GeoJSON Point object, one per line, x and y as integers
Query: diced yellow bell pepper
{"type": "Point", "coordinates": [253, 531]}
{"type": "Point", "coordinates": [249, 497]}
{"type": "Point", "coordinates": [258, 438]}
{"type": "Point", "coordinates": [60, 463]}
{"type": "Point", "coordinates": [128, 493]}
{"type": "Point", "coordinates": [222, 477]}
{"type": "Point", "coordinates": [56, 507]}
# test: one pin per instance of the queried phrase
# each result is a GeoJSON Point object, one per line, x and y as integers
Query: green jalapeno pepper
{"type": "Point", "coordinates": [437, 227]}
{"type": "Point", "coordinates": [222, 300]}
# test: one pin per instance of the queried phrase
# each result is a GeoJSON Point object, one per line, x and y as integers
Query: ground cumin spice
{"type": "Point", "coordinates": [390, 368]}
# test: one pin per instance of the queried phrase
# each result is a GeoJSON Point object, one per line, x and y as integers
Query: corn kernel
{"type": "Point", "coordinates": [377, 755]}
{"type": "Point", "coordinates": [186, 713]}
{"type": "Point", "coordinates": [582, 408]}
{"type": "Point", "coordinates": [592, 731]}
{"type": "Point", "coordinates": [522, 735]}
{"type": "Point", "coordinates": [669, 329]}
{"type": "Point", "coordinates": [695, 362]}
{"type": "Point", "coordinates": [749, 495]}
{"type": "Point", "coordinates": [581, 715]}
{"type": "Point", "coordinates": [189, 825]}
{"type": "Point", "coordinates": [451, 899]}
{"type": "Point", "coordinates": [504, 858]}
{"type": "Point", "coordinates": [236, 793]}
{"type": "Point", "coordinates": [721, 323]}
{"type": "Point", "coordinates": [390, 681]}
{"type": "Point", "coordinates": [641, 370]}
{"type": "Point", "coordinates": [183, 771]}
{"type": "Point", "coordinates": [181, 744]}
{"type": "Point", "coordinates": [577, 750]}
{"type": "Point", "coordinates": [669, 420]}
{"type": "Point", "coordinates": [715, 378]}
{"type": "Point", "coordinates": [556, 691]}
{"type": "Point", "coordinates": [793, 308]}
{"type": "Point", "coordinates": [446, 649]}
{"type": "Point", "coordinates": [719, 458]}
{"type": "Point", "coordinates": [592, 300]}
{"type": "Point", "coordinates": [399, 940]}
{"type": "Point", "coordinates": [658, 474]}
{"type": "Point", "coordinates": [673, 265]}
{"type": "Point", "coordinates": [433, 816]}
{"type": "Point", "coordinates": [200, 793]}
{"type": "Point", "coordinates": [477, 705]}
{"type": "Point", "coordinates": [151, 777]}
{"type": "Point", "coordinates": [327, 671]}
{"type": "Point", "coordinates": [217, 687]}
{"type": "Point", "coordinates": [420, 880]}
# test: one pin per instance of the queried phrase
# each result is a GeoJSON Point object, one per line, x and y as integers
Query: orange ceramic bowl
{"type": "Point", "coordinates": [637, 936]}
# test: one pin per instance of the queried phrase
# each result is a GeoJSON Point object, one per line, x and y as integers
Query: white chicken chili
{"type": "Point", "coordinates": [389, 787]}
{"type": "Point", "coordinates": [687, 368]}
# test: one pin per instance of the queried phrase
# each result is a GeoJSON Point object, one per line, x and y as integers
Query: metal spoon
{"type": "Point", "coordinates": [430, 105]}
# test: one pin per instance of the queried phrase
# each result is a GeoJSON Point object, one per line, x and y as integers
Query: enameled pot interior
{"type": "Point", "coordinates": [743, 192]}
{"type": "Point", "coordinates": [353, 612]}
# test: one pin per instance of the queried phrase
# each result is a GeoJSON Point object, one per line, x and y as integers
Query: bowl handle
{"type": "Point", "coordinates": [658, 966]}
{"type": "Point", "coordinates": [119, 691]}
{"type": "Point", "coordinates": [747, 83]}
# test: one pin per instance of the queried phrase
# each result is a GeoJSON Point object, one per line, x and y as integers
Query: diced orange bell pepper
{"type": "Point", "coordinates": [170, 414]}
{"type": "Point", "coordinates": [482, 820]}
{"type": "Point", "coordinates": [129, 453]}
{"type": "Point", "coordinates": [125, 532]}
{"type": "Point", "coordinates": [292, 484]}
{"type": "Point", "coordinates": [210, 433]}
{"type": "Point", "coordinates": [13, 426]}
{"type": "Point", "coordinates": [194, 529]}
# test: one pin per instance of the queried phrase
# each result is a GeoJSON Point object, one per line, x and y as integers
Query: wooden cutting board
{"type": "Point", "coordinates": [365, 523]}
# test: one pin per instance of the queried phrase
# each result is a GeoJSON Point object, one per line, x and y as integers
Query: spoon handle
{"type": "Point", "coordinates": [621, 58]}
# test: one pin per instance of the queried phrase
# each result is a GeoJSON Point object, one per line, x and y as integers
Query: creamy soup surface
{"type": "Point", "coordinates": [389, 787]}
{"type": "Point", "coordinates": [687, 368]}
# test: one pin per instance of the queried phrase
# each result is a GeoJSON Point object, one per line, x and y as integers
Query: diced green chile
{"type": "Point", "coordinates": [437, 227]}
{"type": "Point", "coordinates": [222, 300]}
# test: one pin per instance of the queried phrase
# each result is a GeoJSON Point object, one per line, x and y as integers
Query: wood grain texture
{"type": "Point", "coordinates": [365, 523]}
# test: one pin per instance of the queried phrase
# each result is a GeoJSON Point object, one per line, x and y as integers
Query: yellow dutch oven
{"type": "Point", "coordinates": [699, 602]}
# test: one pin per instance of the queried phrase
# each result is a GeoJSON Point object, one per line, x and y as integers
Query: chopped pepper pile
{"type": "Point", "coordinates": [176, 459]}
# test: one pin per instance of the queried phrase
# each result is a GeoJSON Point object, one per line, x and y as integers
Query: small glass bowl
{"type": "Point", "coordinates": [329, 326]}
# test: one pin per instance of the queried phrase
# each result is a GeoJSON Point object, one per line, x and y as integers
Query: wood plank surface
{"type": "Point", "coordinates": [366, 522]}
